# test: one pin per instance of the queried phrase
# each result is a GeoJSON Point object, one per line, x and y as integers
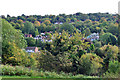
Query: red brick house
{"type": "Point", "coordinates": [31, 49]}
{"type": "Point", "coordinates": [28, 35]}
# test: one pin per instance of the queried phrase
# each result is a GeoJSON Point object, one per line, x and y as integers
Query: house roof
{"type": "Point", "coordinates": [30, 48]}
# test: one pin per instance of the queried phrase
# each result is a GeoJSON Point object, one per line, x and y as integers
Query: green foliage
{"type": "Point", "coordinates": [8, 70]}
{"type": "Point", "coordinates": [67, 27]}
{"type": "Point", "coordinates": [90, 64]}
{"type": "Point", "coordinates": [97, 44]}
{"type": "Point", "coordinates": [16, 56]}
{"type": "Point", "coordinates": [87, 32]}
{"type": "Point", "coordinates": [37, 23]}
{"type": "Point", "coordinates": [65, 42]}
{"type": "Point", "coordinates": [17, 26]}
{"type": "Point", "coordinates": [108, 38]}
{"type": "Point", "coordinates": [113, 70]}
{"type": "Point", "coordinates": [109, 51]}
{"type": "Point", "coordinates": [101, 32]}
{"type": "Point", "coordinates": [0, 37]}
{"type": "Point", "coordinates": [114, 67]}
{"type": "Point", "coordinates": [59, 44]}
{"type": "Point", "coordinates": [68, 49]}
{"type": "Point", "coordinates": [9, 34]}
{"type": "Point", "coordinates": [48, 62]}
{"type": "Point", "coordinates": [17, 70]}
{"type": "Point", "coordinates": [113, 28]}
{"type": "Point", "coordinates": [36, 32]}
{"type": "Point", "coordinates": [92, 47]}
{"type": "Point", "coordinates": [118, 40]}
{"type": "Point", "coordinates": [28, 27]}
{"type": "Point", "coordinates": [30, 41]}
{"type": "Point", "coordinates": [47, 22]}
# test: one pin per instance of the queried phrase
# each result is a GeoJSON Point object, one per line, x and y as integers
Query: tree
{"type": "Point", "coordinates": [13, 24]}
{"type": "Point", "coordinates": [59, 43]}
{"type": "Point", "coordinates": [49, 62]}
{"type": "Point", "coordinates": [31, 41]}
{"type": "Point", "coordinates": [68, 20]}
{"type": "Point", "coordinates": [87, 32]}
{"type": "Point", "coordinates": [17, 56]}
{"type": "Point", "coordinates": [113, 29]}
{"type": "Point", "coordinates": [47, 22]}
{"type": "Point", "coordinates": [68, 49]}
{"type": "Point", "coordinates": [37, 23]}
{"type": "Point", "coordinates": [28, 26]}
{"type": "Point", "coordinates": [114, 67]}
{"type": "Point", "coordinates": [92, 47]}
{"type": "Point", "coordinates": [90, 64]}
{"type": "Point", "coordinates": [108, 53]}
{"type": "Point", "coordinates": [108, 38]}
{"type": "Point", "coordinates": [36, 32]}
{"type": "Point", "coordinates": [98, 29]}
{"type": "Point", "coordinates": [97, 44]}
{"type": "Point", "coordinates": [20, 21]}
{"type": "Point", "coordinates": [10, 34]}
{"type": "Point", "coordinates": [17, 26]}
{"type": "Point", "coordinates": [12, 44]}
{"type": "Point", "coordinates": [42, 28]}
{"type": "Point", "coordinates": [67, 27]}
{"type": "Point", "coordinates": [101, 32]}
{"type": "Point", "coordinates": [13, 55]}
{"type": "Point", "coordinates": [103, 20]}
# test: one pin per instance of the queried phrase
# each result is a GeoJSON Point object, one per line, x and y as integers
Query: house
{"type": "Point", "coordinates": [94, 36]}
{"type": "Point", "coordinates": [58, 23]}
{"type": "Point", "coordinates": [42, 33]}
{"type": "Point", "coordinates": [28, 35]}
{"type": "Point", "coordinates": [31, 49]}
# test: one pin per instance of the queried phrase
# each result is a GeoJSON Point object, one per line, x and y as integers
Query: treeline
{"type": "Point", "coordinates": [62, 17]}
{"type": "Point", "coordinates": [36, 24]}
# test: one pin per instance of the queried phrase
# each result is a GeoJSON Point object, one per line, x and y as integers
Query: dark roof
{"type": "Point", "coordinates": [30, 48]}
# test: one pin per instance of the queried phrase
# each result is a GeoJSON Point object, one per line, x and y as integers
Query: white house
{"type": "Point", "coordinates": [94, 36]}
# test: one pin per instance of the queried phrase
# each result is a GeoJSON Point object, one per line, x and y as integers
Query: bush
{"type": "Point", "coordinates": [8, 70]}
{"type": "Point", "coordinates": [111, 75]}
{"type": "Point", "coordinates": [17, 70]}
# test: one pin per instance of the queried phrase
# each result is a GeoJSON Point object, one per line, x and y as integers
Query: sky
{"type": "Point", "coordinates": [55, 7]}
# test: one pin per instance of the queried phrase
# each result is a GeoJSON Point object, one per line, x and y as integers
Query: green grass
{"type": "Point", "coordinates": [15, 77]}
{"type": "Point", "coordinates": [43, 77]}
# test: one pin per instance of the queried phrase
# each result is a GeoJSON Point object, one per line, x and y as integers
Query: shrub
{"type": "Point", "coordinates": [8, 70]}
{"type": "Point", "coordinates": [17, 70]}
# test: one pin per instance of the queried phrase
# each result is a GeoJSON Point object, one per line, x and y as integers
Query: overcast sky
{"type": "Point", "coordinates": [55, 7]}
